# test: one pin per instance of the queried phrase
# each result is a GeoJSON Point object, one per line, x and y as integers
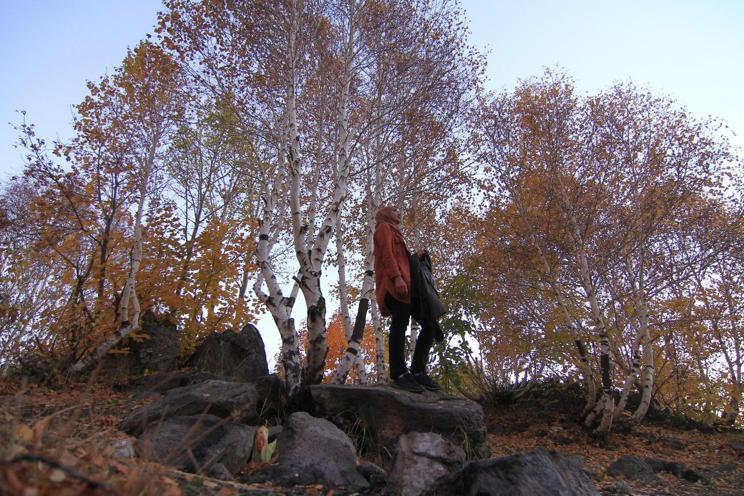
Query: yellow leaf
{"type": "Point", "coordinates": [24, 433]}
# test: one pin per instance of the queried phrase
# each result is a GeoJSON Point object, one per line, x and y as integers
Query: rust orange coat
{"type": "Point", "coordinates": [391, 260]}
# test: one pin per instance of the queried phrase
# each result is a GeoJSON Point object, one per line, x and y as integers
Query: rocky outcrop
{"type": "Point", "coordinates": [538, 473]}
{"type": "Point", "coordinates": [199, 443]}
{"type": "Point", "coordinates": [421, 459]}
{"type": "Point", "coordinates": [313, 451]}
{"type": "Point", "coordinates": [386, 413]}
{"type": "Point", "coordinates": [152, 349]}
{"type": "Point", "coordinates": [237, 401]}
{"type": "Point", "coordinates": [239, 356]}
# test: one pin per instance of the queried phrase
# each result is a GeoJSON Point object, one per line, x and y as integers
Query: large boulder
{"type": "Point", "coordinates": [313, 451]}
{"type": "Point", "coordinates": [538, 473]}
{"type": "Point", "coordinates": [164, 382]}
{"type": "Point", "coordinates": [154, 348]}
{"type": "Point", "coordinates": [239, 356]}
{"type": "Point", "coordinates": [238, 401]}
{"type": "Point", "coordinates": [632, 468]}
{"type": "Point", "coordinates": [386, 413]}
{"type": "Point", "coordinates": [198, 443]}
{"type": "Point", "coordinates": [421, 459]}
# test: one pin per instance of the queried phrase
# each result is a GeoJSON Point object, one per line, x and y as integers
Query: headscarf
{"type": "Point", "coordinates": [386, 214]}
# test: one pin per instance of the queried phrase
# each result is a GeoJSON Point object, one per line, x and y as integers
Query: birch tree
{"type": "Point", "coordinates": [420, 73]}
{"type": "Point", "coordinates": [610, 170]}
{"type": "Point", "coordinates": [148, 87]}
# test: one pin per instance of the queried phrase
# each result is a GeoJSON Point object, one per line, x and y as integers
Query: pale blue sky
{"type": "Point", "coordinates": [48, 49]}
{"type": "Point", "coordinates": [690, 50]}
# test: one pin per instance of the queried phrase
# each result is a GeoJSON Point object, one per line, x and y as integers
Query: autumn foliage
{"type": "Point", "coordinates": [595, 238]}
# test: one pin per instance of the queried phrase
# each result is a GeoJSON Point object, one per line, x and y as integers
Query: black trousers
{"type": "Point", "coordinates": [400, 319]}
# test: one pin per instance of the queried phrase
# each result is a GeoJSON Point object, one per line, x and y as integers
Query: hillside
{"type": "Point", "coordinates": [65, 441]}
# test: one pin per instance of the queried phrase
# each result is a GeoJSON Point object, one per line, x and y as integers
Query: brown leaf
{"type": "Point", "coordinates": [120, 467]}
{"type": "Point", "coordinates": [40, 428]}
{"type": "Point", "coordinates": [173, 491]}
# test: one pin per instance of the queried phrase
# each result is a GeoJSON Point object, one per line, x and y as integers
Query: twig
{"type": "Point", "coordinates": [70, 471]}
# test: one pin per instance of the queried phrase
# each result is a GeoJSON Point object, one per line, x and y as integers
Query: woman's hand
{"type": "Point", "coordinates": [401, 289]}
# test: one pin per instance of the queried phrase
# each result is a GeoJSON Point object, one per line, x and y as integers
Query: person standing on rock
{"type": "Point", "coordinates": [393, 293]}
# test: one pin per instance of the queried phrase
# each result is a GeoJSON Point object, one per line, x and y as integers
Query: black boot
{"type": "Point", "coordinates": [406, 382]}
{"type": "Point", "coordinates": [426, 381]}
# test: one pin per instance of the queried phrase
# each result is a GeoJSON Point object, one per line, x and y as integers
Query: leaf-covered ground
{"type": "Point", "coordinates": [65, 442]}
{"type": "Point", "coordinates": [548, 420]}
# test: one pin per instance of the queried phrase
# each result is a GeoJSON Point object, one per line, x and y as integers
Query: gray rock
{"type": "Point", "coordinates": [197, 443]}
{"type": "Point", "coordinates": [155, 349]}
{"type": "Point", "coordinates": [239, 356]}
{"type": "Point", "coordinates": [386, 413]}
{"type": "Point", "coordinates": [538, 473]}
{"type": "Point", "coordinates": [162, 383]}
{"type": "Point", "coordinates": [631, 467]}
{"type": "Point", "coordinates": [677, 469]}
{"type": "Point", "coordinates": [160, 352]}
{"type": "Point", "coordinates": [672, 443]}
{"type": "Point", "coordinates": [313, 451]}
{"type": "Point", "coordinates": [375, 475]}
{"type": "Point", "coordinates": [622, 487]}
{"type": "Point", "coordinates": [272, 393]}
{"type": "Point", "coordinates": [274, 431]}
{"type": "Point", "coordinates": [222, 399]}
{"type": "Point", "coordinates": [421, 459]}
{"type": "Point", "coordinates": [219, 471]}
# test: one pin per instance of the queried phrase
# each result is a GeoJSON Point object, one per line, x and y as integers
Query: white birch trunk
{"type": "Point", "coordinates": [606, 404]}
{"type": "Point", "coordinates": [632, 376]}
{"type": "Point", "coordinates": [278, 305]}
{"type": "Point", "coordinates": [352, 354]}
{"type": "Point", "coordinates": [343, 292]}
{"type": "Point", "coordinates": [310, 270]}
{"type": "Point", "coordinates": [129, 293]}
{"type": "Point", "coordinates": [573, 325]}
{"type": "Point", "coordinates": [647, 377]}
{"type": "Point", "coordinates": [352, 358]}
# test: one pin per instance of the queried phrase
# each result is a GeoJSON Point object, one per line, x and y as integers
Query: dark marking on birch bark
{"type": "Point", "coordinates": [605, 364]}
{"type": "Point", "coordinates": [263, 237]}
{"type": "Point", "coordinates": [317, 311]}
{"type": "Point", "coordinates": [353, 351]}
{"type": "Point", "coordinates": [581, 348]}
